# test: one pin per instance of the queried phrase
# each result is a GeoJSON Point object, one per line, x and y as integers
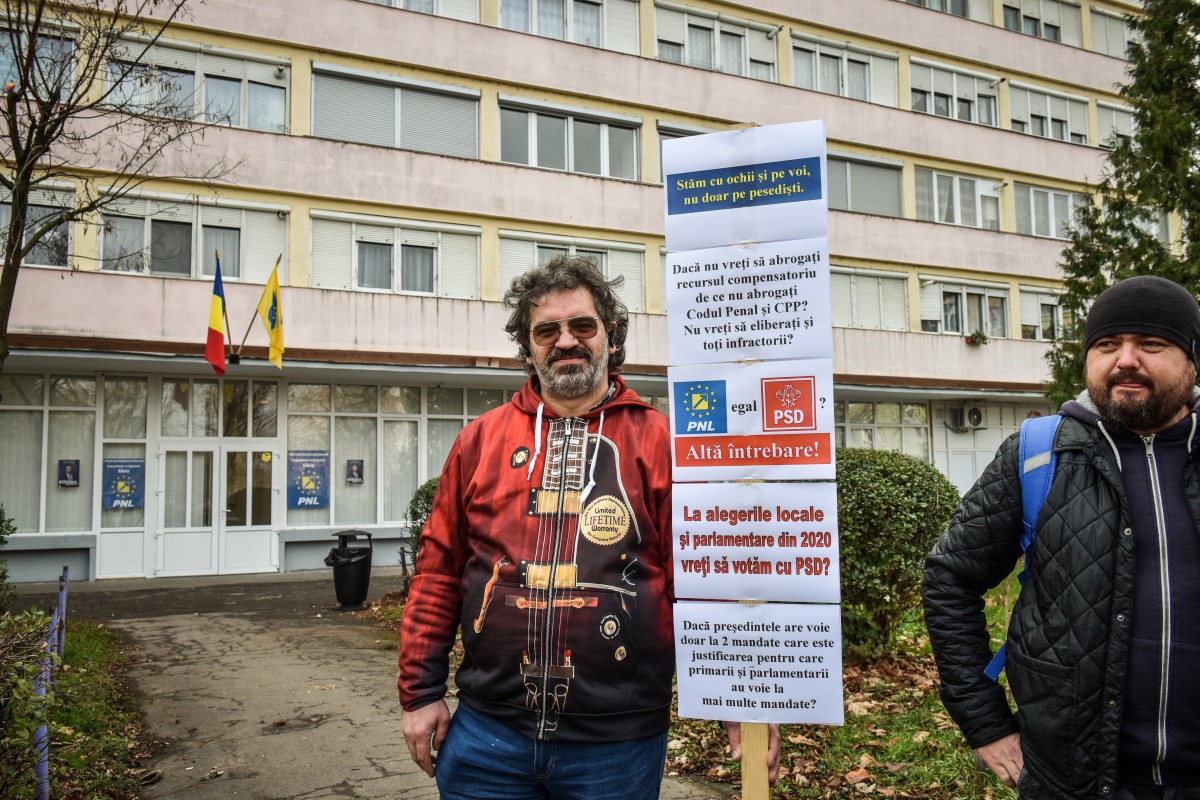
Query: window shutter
{"type": "Point", "coordinates": [875, 189]}
{"type": "Point", "coordinates": [979, 10]}
{"type": "Point", "coordinates": [380, 234]}
{"type": "Point", "coordinates": [621, 26]}
{"type": "Point", "coordinates": [884, 81]}
{"type": "Point", "coordinates": [670, 25]}
{"type": "Point", "coordinates": [1079, 117]}
{"type": "Point", "coordinates": [1038, 104]}
{"type": "Point", "coordinates": [516, 258]}
{"type": "Point", "coordinates": [839, 186]}
{"type": "Point", "coordinates": [222, 66]}
{"type": "Point", "coordinates": [761, 48]}
{"type": "Point", "coordinates": [632, 291]}
{"type": "Point", "coordinates": [354, 111]}
{"type": "Point", "coordinates": [1060, 108]}
{"type": "Point", "coordinates": [894, 300]}
{"type": "Point", "coordinates": [1024, 209]}
{"type": "Point", "coordinates": [169, 58]}
{"type": "Point", "coordinates": [459, 274]}
{"type": "Point", "coordinates": [466, 10]}
{"type": "Point", "coordinates": [1069, 20]}
{"type": "Point", "coordinates": [264, 240]}
{"type": "Point", "coordinates": [931, 303]}
{"type": "Point", "coordinates": [419, 237]}
{"type": "Point", "coordinates": [866, 302]}
{"type": "Point", "coordinates": [178, 212]}
{"type": "Point", "coordinates": [260, 72]}
{"type": "Point", "coordinates": [841, 300]}
{"type": "Point", "coordinates": [331, 251]}
{"type": "Point", "coordinates": [221, 217]}
{"type": "Point", "coordinates": [439, 123]}
{"type": "Point", "coordinates": [1020, 104]}
{"type": "Point", "coordinates": [965, 89]}
{"type": "Point", "coordinates": [1031, 309]}
{"type": "Point", "coordinates": [1050, 13]}
{"type": "Point", "coordinates": [922, 77]}
{"type": "Point", "coordinates": [126, 207]}
{"type": "Point", "coordinates": [943, 81]}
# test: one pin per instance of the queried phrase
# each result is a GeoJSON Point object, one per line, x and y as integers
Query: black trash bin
{"type": "Point", "coordinates": [351, 569]}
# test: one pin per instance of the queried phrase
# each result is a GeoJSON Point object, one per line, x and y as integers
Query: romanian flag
{"type": "Point", "coordinates": [271, 311]}
{"type": "Point", "coordinates": [214, 352]}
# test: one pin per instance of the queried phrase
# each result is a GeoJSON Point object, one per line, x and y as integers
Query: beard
{"type": "Point", "coordinates": [571, 381]}
{"type": "Point", "coordinates": [1148, 414]}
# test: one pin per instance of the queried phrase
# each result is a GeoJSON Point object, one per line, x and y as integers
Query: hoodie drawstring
{"type": "Point", "coordinates": [537, 442]}
{"type": "Point", "coordinates": [592, 472]}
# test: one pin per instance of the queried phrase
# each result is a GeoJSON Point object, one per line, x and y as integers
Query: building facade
{"type": "Point", "coordinates": [408, 159]}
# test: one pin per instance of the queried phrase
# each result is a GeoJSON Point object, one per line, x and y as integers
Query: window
{"type": "Point", "coordinates": [903, 427]}
{"type": "Point", "coordinates": [698, 39]}
{"type": "Point", "coordinates": [611, 24]}
{"type": "Point", "coordinates": [1109, 34]}
{"type": "Point", "coordinates": [170, 238]}
{"type": "Point", "coordinates": [1055, 20]}
{"type": "Point", "coordinates": [467, 10]}
{"type": "Point", "coordinates": [957, 199]}
{"type": "Point", "coordinates": [1114, 123]}
{"type": "Point", "coordinates": [957, 95]}
{"type": "Point", "coordinates": [869, 300]}
{"type": "Point", "coordinates": [865, 187]}
{"type": "Point", "coordinates": [568, 141]}
{"type": "Point", "coordinates": [521, 251]}
{"type": "Point", "coordinates": [410, 256]}
{"type": "Point", "coordinates": [1050, 115]}
{"type": "Point", "coordinates": [1041, 317]}
{"type": "Point", "coordinates": [960, 8]}
{"type": "Point", "coordinates": [846, 71]}
{"type": "Point", "coordinates": [963, 309]}
{"type": "Point", "coordinates": [401, 433]}
{"type": "Point", "coordinates": [221, 89]}
{"type": "Point", "coordinates": [53, 69]}
{"type": "Point", "coordinates": [54, 248]}
{"type": "Point", "coordinates": [389, 113]}
{"type": "Point", "coordinates": [1046, 212]}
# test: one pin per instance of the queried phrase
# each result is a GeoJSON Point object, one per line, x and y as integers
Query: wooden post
{"type": "Point", "coordinates": [755, 783]}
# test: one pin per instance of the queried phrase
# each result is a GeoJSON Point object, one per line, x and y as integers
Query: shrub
{"type": "Point", "coordinates": [7, 528]}
{"type": "Point", "coordinates": [891, 509]}
{"type": "Point", "coordinates": [22, 648]}
{"type": "Point", "coordinates": [419, 509]}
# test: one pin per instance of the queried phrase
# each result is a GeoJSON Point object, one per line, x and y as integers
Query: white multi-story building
{"type": "Point", "coordinates": [408, 161]}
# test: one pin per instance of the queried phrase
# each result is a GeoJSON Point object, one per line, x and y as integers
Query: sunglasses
{"type": "Point", "coordinates": [547, 333]}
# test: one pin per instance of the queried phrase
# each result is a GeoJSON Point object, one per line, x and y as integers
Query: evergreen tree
{"type": "Point", "coordinates": [1154, 172]}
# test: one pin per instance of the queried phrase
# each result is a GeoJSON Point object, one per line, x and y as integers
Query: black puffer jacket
{"type": "Point", "coordinates": [1070, 630]}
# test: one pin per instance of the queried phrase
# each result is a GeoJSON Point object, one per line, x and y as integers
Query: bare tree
{"type": "Point", "coordinates": [83, 107]}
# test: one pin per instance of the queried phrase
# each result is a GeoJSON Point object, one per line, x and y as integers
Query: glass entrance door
{"type": "Point", "coordinates": [247, 541]}
{"type": "Point", "coordinates": [187, 540]}
{"type": "Point", "coordinates": [217, 511]}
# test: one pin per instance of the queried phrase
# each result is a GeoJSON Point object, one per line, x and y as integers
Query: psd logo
{"type": "Point", "coordinates": [700, 407]}
{"type": "Point", "coordinates": [789, 404]}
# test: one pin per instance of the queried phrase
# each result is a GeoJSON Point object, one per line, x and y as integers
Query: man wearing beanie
{"type": "Point", "coordinates": [1103, 655]}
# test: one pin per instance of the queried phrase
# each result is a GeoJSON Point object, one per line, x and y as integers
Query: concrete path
{"type": "Point", "coordinates": [258, 687]}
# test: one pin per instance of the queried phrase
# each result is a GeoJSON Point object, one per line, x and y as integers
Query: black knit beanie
{"type": "Point", "coordinates": [1149, 305]}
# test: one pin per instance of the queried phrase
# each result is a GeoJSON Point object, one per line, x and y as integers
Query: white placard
{"type": "Point", "coordinates": [759, 663]}
{"type": "Point", "coordinates": [758, 541]}
{"type": "Point", "coordinates": [765, 184]}
{"type": "Point", "coordinates": [757, 301]}
{"type": "Point", "coordinates": [766, 420]}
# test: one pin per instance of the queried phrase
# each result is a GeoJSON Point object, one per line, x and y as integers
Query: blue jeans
{"type": "Point", "coordinates": [483, 759]}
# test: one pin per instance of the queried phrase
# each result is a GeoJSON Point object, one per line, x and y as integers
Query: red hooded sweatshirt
{"type": "Point", "coordinates": [549, 544]}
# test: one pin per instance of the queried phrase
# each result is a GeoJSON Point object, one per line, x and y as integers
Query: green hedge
{"type": "Point", "coordinates": [419, 509]}
{"type": "Point", "coordinates": [22, 649]}
{"type": "Point", "coordinates": [891, 509]}
{"type": "Point", "coordinates": [7, 528]}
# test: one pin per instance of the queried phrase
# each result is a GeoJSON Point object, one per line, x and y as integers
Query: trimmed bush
{"type": "Point", "coordinates": [891, 509]}
{"type": "Point", "coordinates": [419, 509]}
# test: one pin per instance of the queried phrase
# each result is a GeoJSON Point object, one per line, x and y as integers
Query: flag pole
{"type": "Point", "coordinates": [255, 314]}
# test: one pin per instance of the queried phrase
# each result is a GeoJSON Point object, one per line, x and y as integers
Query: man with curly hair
{"type": "Point", "coordinates": [549, 546]}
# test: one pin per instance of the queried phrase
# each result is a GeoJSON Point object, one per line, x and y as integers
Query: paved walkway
{"type": "Point", "coordinates": [262, 679]}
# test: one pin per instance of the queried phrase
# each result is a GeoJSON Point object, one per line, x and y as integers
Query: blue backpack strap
{"type": "Point", "coordinates": [1037, 463]}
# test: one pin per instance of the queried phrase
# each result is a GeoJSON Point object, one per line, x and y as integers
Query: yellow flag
{"type": "Point", "coordinates": [271, 311]}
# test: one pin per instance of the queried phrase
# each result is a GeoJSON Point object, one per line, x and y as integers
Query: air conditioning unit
{"type": "Point", "coordinates": [967, 417]}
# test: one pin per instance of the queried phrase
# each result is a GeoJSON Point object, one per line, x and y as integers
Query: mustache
{"type": "Point", "coordinates": [574, 352]}
{"type": "Point", "coordinates": [1129, 376]}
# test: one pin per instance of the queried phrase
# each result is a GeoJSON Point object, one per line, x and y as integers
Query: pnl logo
{"type": "Point", "coordinates": [700, 407]}
{"type": "Point", "coordinates": [789, 404]}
